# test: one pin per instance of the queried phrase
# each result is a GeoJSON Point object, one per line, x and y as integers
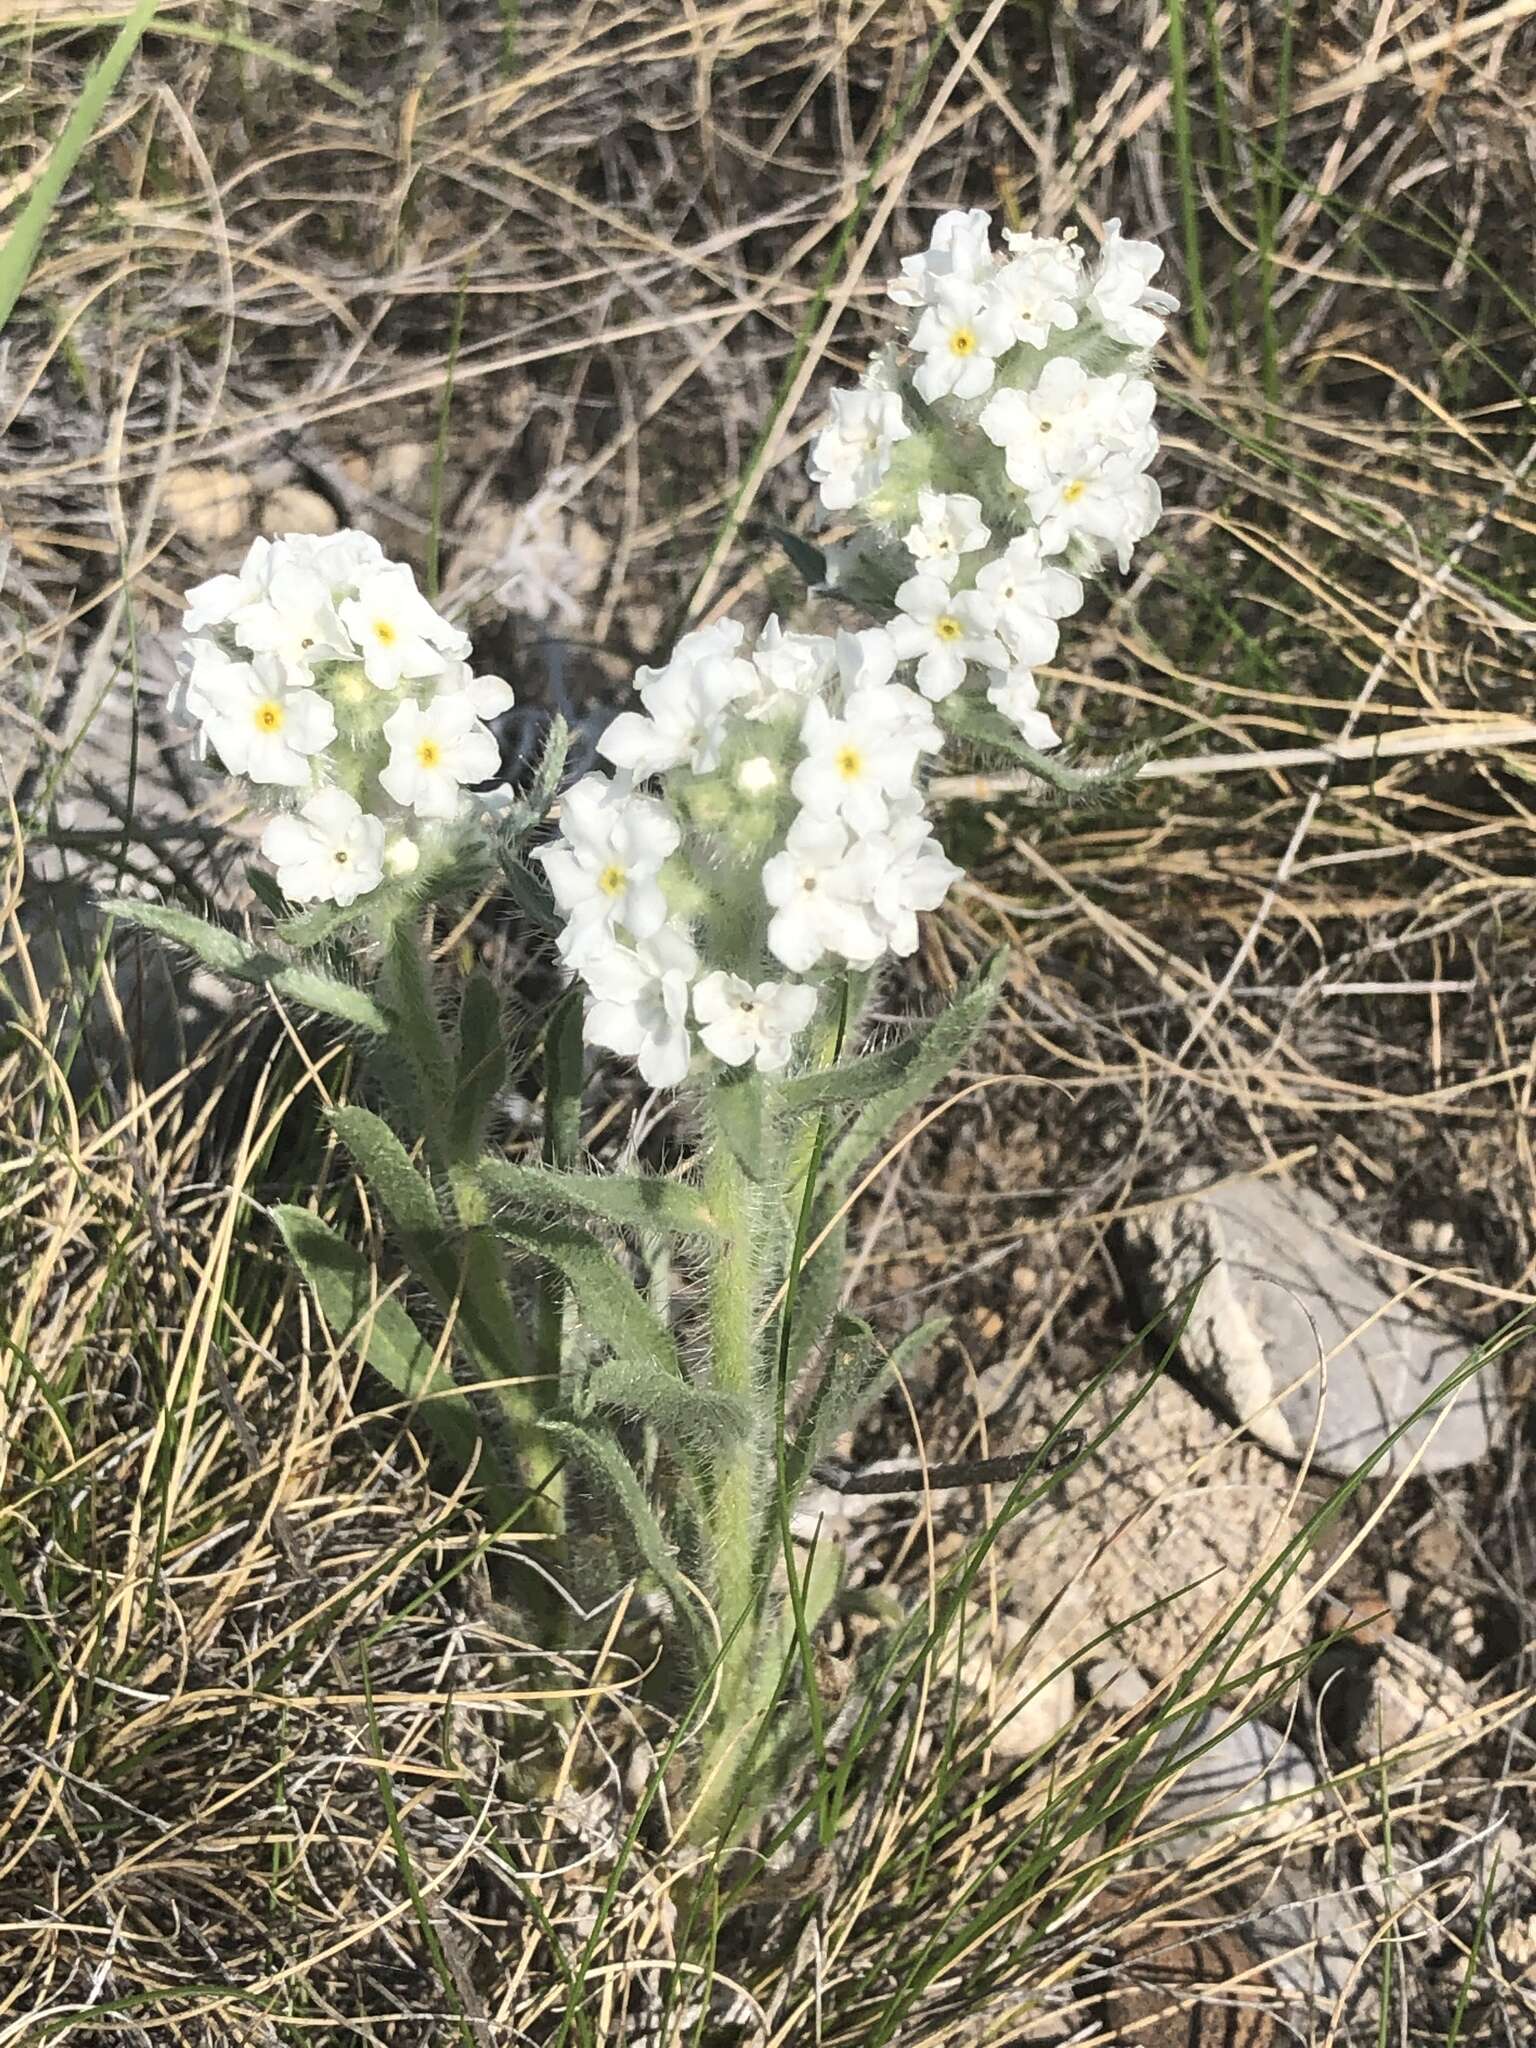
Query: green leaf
{"type": "Point", "coordinates": [228, 954]}
{"type": "Point", "coordinates": [817, 1292]}
{"type": "Point", "coordinates": [990, 731]}
{"type": "Point", "coordinates": [632, 1201]}
{"type": "Point", "coordinates": [211, 943]}
{"type": "Point", "coordinates": [480, 1065]}
{"type": "Point", "coordinates": [329, 995]}
{"type": "Point", "coordinates": [695, 1416]}
{"type": "Point", "coordinates": [530, 894]}
{"type": "Point", "coordinates": [807, 558]}
{"type": "Point", "coordinates": [564, 1078]}
{"type": "Point", "coordinates": [853, 1369]}
{"type": "Point", "coordinates": [597, 1453]}
{"type": "Point", "coordinates": [406, 987]}
{"type": "Point", "coordinates": [266, 891]}
{"type": "Point", "coordinates": [386, 1165]}
{"type": "Point", "coordinates": [938, 1046]}
{"type": "Point", "coordinates": [345, 1287]}
{"type": "Point", "coordinates": [530, 810]}
{"type": "Point", "coordinates": [737, 1107]}
{"type": "Point", "coordinates": [610, 1304]}
{"type": "Point", "coordinates": [19, 250]}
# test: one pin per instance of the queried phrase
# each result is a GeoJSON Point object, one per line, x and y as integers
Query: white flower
{"type": "Point", "coordinates": [1028, 595]}
{"type": "Point", "coordinates": [1122, 294]}
{"type": "Point", "coordinates": [947, 527]}
{"type": "Point", "coordinates": [277, 604]}
{"type": "Point", "coordinates": [943, 631]}
{"type": "Point", "coordinates": [1020, 578]}
{"type": "Point", "coordinates": [330, 851]}
{"type": "Point", "coordinates": [397, 633]}
{"type": "Point", "coordinates": [342, 560]}
{"type": "Point", "coordinates": [260, 721]}
{"type": "Point", "coordinates": [1039, 286]}
{"type": "Point", "coordinates": [790, 667]}
{"type": "Point", "coordinates": [855, 763]}
{"type": "Point", "coordinates": [904, 870]}
{"type": "Point", "coordinates": [1048, 430]}
{"type": "Point", "coordinates": [1110, 501]}
{"type": "Point", "coordinates": [739, 1023]}
{"type": "Point", "coordinates": [852, 454]}
{"type": "Point", "coordinates": [639, 1003]}
{"type": "Point", "coordinates": [756, 776]}
{"type": "Point", "coordinates": [959, 251]}
{"type": "Point", "coordinates": [434, 750]}
{"type": "Point", "coordinates": [603, 869]}
{"type": "Point", "coordinates": [686, 701]}
{"type": "Point", "coordinates": [1017, 698]}
{"type": "Point", "coordinates": [960, 337]}
{"type": "Point", "coordinates": [815, 892]}
{"type": "Point", "coordinates": [865, 658]}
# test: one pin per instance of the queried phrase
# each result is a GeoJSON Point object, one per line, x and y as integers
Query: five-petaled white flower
{"type": "Point", "coordinates": [815, 892]}
{"type": "Point", "coordinates": [855, 763]}
{"type": "Point", "coordinates": [740, 1022]}
{"type": "Point", "coordinates": [960, 337]}
{"type": "Point", "coordinates": [604, 868]}
{"type": "Point", "coordinates": [1017, 697]}
{"type": "Point", "coordinates": [329, 851]}
{"type": "Point", "coordinates": [434, 750]}
{"type": "Point", "coordinates": [1039, 286]}
{"type": "Point", "coordinates": [904, 870]}
{"type": "Point", "coordinates": [851, 455]}
{"type": "Point", "coordinates": [686, 701]}
{"type": "Point", "coordinates": [398, 635]}
{"type": "Point", "coordinates": [947, 527]}
{"type": "Point", "coordinates": [1129, 307]}
{"type": "Point", "coordinates": [959, 252]}
{"type": "Point", "coordinates": [1054, 427]}
{"type": "Point", "coordinates": [942, 631]}
{"type": "Point", "coordinates": [260, 720]}
{"type": "Point", "coordinates": [1111, 502]}
{"type": "Point", "coordinates": [638, 1003]}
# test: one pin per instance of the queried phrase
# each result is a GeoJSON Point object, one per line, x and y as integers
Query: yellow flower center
{"type": "Point", "coordinates": [429, 753]}
{"type": "Point", "coordinates": [269, 716]}
{"type": "Point", "coordinates": [341, 856]}
{"type": "Point", "coordinates": [850, 763]}
{"type": "Point", "coordinates": [384, 633]}
{"type": "Point", "coordinates": [1073, 491]}
{"type": "Point", "coordinates": [948, 627]}
{"type": "Point", "coordinates": [963, 342]}
{"type": "Point", "coordinates": [611, 880]}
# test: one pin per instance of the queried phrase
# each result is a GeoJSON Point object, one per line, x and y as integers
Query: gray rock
{"type": "Point", "coordinates": [1237, 1770]}
{"type": "Point", "coordinates": [1292, 1333]}
{"type": "Point", "coordinates": [1315, 1941]}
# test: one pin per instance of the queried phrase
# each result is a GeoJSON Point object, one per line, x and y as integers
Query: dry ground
{"type": "Point", "coordinates": [460, 272]}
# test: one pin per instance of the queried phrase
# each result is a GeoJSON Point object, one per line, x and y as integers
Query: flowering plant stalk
{"type": "Point", "coordinates": [645, 1368]}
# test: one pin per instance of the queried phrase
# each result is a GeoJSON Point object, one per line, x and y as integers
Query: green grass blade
{"type": "Point", "coordinates": [21, 244]}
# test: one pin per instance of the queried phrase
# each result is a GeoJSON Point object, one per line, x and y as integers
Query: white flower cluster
{"type": "Point", "coordinates": [1000, 453]}
{"type": "Point", "coordinates": [321, 672]}
{"type": "Point", "coordinates": [784, 837]}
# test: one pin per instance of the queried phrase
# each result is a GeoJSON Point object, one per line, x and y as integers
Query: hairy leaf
{"type": "Point", "coordinates": [598, 1454]}
{"type": "Point", "coordinates": [989, 731]}
{"type": "Point", "coordinates": [606, 1298]}
{"type": "Point", "coordinates": [633, 1201]}
{"type": "Point", "coordinates": [480, 1066]}
{"type": "Point", "coordinates": [344, 1285]}
{"type": "Point", "coordinates": [226, 953]}
{"type": "Point", "coordinates": [386, 1166]}
{"type": "Point", "coordinates": [941, 1044]}
{"type": "Point", "coordinates": [696, 1416]}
